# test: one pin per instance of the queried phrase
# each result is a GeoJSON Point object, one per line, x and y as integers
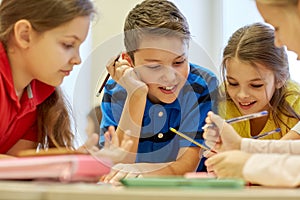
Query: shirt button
{"type": "Point", "coordinates": [160, 114]}
{"type": "Point", "coordinates": [160, 135]}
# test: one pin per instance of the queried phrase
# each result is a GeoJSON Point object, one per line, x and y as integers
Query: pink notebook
{"type": "Point", "coordinates": [65, 168]}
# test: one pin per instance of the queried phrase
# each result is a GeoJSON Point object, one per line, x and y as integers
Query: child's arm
{"type": "Point", "coordinates": [187, 161]}
{"type": "Point", "coordinates": [132, 114]}
{"type": "Point", "coordinates": [293, 134]}
{"type": "Point", "coordinates": [131, 118]}
{"type": "Point", "coordinates": [21, 145]}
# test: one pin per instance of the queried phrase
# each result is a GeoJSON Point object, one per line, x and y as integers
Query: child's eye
{"type": "Point", "coordinates": [232, 84]}
{"type": "Point", "coordinates": [68, 46]}
{"type": "Point", "coordinates": [179, 62]}
{"type": "Point", "coordinates": [153, 67]}
{"type": "Point", "coordinates": [257, 85]}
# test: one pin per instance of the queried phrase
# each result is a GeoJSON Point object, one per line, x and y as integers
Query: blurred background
{"type": "Point", "coordinates": [211, 24]}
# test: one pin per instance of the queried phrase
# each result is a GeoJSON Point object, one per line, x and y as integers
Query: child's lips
{"type": "Point", "coordinates": [168, 89]}
{"type": "Point", "coordinates": [66, 72]}
{"type": "Point", "coordinates": [246, 105]}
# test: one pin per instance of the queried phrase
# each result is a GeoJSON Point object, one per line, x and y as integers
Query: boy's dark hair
{"type": "Point", "coordinates": [155, 18]}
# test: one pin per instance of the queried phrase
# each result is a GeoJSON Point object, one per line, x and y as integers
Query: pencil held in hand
{"type": "Point", "coordinates": [107, 76]}
{"type": "Point", "coordinates": [192, 140]}
{"type": "Point", "coordinates": [240, 119]}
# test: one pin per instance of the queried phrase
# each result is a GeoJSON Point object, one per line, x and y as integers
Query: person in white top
{"type": "Point", "coordinates": [264, 162]}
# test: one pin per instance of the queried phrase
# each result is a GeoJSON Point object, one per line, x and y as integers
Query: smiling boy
{"type": "Point", "coordinates": [159, 89]}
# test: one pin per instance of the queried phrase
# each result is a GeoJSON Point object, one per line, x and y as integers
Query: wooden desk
{"type": "Point", "coordinates": [80, 191]}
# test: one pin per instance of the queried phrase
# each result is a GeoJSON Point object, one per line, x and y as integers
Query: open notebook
{"type": "Point", "coordinates": [66, 168]}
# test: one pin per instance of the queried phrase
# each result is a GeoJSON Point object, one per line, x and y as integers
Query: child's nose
{"type": "Point", "coordinates": [243, 93]}
{"type": "Point", "coordinates": [169, 74]}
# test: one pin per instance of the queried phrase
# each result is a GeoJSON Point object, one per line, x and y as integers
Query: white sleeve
{"type": "Point", "coordinates": [296, 128]}
{"type": "Point", "coordinates": [273, 170]}
{"type": "Point", "coordinates": [270, 146]}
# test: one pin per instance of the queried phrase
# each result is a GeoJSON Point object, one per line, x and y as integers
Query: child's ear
{"type": "Point", "coordinates": [279, 84]}
{"type": "Point", "coordinates": [127, 57]}
{"type": "Point", "coordinates": [22, 31]}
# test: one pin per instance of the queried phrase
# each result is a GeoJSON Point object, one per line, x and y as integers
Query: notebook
{"type": "Point", "coordinates": [65, 168]}
{"type": "Point", "coordinates": [183, 182]}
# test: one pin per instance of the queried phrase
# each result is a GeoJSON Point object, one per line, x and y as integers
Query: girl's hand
{"type": "Point", "coordinates": [228, 164]}
{"type": "Point", "coordinates": [223, 137]}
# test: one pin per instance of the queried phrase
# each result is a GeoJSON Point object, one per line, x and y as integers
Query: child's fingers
{"type": "Point", "coordinates": [107, 138]}
{"type": "Point", "coordinates": [213, 161]}
{"type": "Point", "coordinates": [208, 154]}
{"type": "Point", "coordinates": [217, 120]}
{"type": "Point", "coordinates": [90, 144]}
{"type": "Point", "coordinates": [126, 143]}
{"type": "Point", "coordinates": [111, 66]}
{"type": "Point", "coordinates": [211, 134]}
{"type": "Point", "coordinates": [114, 137]}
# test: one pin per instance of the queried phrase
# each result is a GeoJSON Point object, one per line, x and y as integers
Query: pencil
{"type": "Point", "coordinates": [267, 133]}
{"type": "Point", "coordinates": [191, 140]}
{"type": "Point", "coordinates": [103, 84]}
{"type": "Point", "coordinates": [106, 78]}
{"type": "Point", "coordinates": [240, 119]}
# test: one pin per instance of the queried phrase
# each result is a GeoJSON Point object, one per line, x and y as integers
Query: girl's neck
{"type": "Point", "coordinates": [19, 74]}
{"type": "Point", "coordinates": [257, 125]}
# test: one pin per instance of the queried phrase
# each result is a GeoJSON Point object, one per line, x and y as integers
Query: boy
{"type": "Point", "coordinates": [155, 88]}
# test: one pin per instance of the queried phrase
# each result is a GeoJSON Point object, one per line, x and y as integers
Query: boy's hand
{"type": "Point", "coordinates": [112, 149]}
{"type": "Point", "coordinates": [125, 75]}
{"type": "Point", "coordinates": [90, 145]}
{"type": "Point", "coordinates": [121, 171]}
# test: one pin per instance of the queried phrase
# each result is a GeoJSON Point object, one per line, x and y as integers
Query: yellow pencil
{"type": "Point", "coordinates": [191, 140]}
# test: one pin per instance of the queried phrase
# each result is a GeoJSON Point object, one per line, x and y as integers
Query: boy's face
{"type": "Point", "coordinates": [162, 63]}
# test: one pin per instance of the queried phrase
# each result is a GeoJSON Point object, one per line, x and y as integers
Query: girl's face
{"type": "Point", "coordinates": [286, 23]}
{"type": "Point", "coordinates": [250, 87]}
{"type": "Point", "coordinates": [52, 54]}
{"type": "Point", "coordinates": [162, 63]}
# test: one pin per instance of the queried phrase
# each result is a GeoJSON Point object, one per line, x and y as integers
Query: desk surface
{"type": "Point", "coordinates": [12, 190]}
